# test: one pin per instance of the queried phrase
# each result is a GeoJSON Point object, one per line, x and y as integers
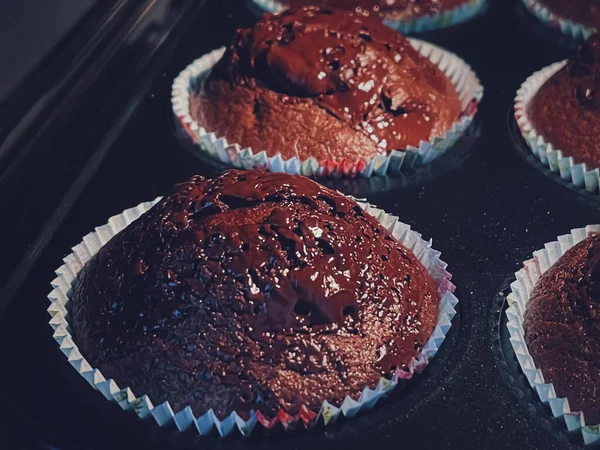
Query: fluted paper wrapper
{"type": "Point", "coordinates": [185, 419]}
{"type": "Point", "coordinates": [566, 26]}
{"type": "Point", "coordinates": [518, 301]}
{"type": "Point", "coordinates": [555, 159]}
{"type": "Point", "coordinates": [217, 147]}
{"type": "Point", "coordinates": [443, 19]}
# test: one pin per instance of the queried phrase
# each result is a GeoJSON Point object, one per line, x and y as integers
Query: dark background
{"type": "Point", "coordinates": [29, 30]}
{"type": "Point", "coordinates": [105, 141]}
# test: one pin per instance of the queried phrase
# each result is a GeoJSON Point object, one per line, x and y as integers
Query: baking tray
{"type": "Point", "coordinates": [485, 207]}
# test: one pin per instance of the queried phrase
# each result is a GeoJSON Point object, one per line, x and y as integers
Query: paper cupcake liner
{"type": "Point", "coordinates": [443, 19]}
{"type": "Point", "coordinates": [164, 415]}
{"type": "Point", "coordinates": [464, 79]}
{"type": "Point", "coordinates": [518, 301]}
{"type": "Point", "coordinates": [566, 26]}
{"type": "Point", "coordinates": [565, 166]}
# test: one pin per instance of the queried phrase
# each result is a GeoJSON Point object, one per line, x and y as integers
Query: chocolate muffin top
{"type": "Point", "coordinates": [586, 12]}
{"type": "Point", "coordinates": [566, 109]}
{"type": "Point", "coordinates": [249, 291]}
{"type": "Point", "coordinates": [392, 9]}
{"type": "Point", "coordinates": [562, 327]}
{"type": "Point", "coordinates": [325, 83]}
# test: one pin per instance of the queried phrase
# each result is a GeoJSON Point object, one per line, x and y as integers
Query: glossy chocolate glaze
{"type": "Point", "coordinates": [566, 109]}
{"type": "Point", "coordinates": [586, 12]}
{"type": "Point", "coordinates": [252, 291]}
{"type": "Point", "coordinates": [562, 327]}
{"type": "Point", "coordinates": [327, 83]}
{"type": "Point", "coordinates": [393, 9]}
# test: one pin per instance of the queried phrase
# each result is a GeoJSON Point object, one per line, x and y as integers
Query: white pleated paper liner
{"type": "Point", "coordinates": [232, 154]}
{"type": "Point", "coordinates": [164, 415]}
{"type": "Point", "coordinates": [518, 301]}
{"type": "Point", "coordinates": [556, 160]}
{"type": "Point", "coordinates": [566, 26]}
{"type": "Point", "coordinates": [450, 17]}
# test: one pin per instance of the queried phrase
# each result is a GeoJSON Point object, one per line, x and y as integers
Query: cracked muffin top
{"type": "Point", "coordinates": [325, 83]}
{"type": "Point", "coordinates": [562, 327]}
{"type": "Point", "coordinates": [389, 9]}
{"type": "Point", "coordinates": [566, 109]}
{"type": "Point", "coordinates": [252, 291]}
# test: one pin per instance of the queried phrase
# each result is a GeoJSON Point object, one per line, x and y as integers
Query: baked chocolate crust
{"type": "Point", "coordinates": [249, 291]}
{"type": "Point", "coordinates": [325, 83]}
{"type": "Point", "coordinates": [562, 327]}
{"type": "Point", "coordinates": [566, 109]}
{"type": "Point", "coordinates": [392, 9]}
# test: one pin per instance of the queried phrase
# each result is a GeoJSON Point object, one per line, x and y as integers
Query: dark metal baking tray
{"type": "Point", "coordinates": [483, 205]}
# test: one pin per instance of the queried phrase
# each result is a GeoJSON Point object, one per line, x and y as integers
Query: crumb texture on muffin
{"type": "Point", "coordinates": [249, 291]}
{"type": "Point", "coordinates": [325, 83]}
{"type": "Point", "coordinates": [393, 9]}
{"type": "Point", "coordinates": [566, 109]}
{"type": "Point", "coordinates": [562, 327]}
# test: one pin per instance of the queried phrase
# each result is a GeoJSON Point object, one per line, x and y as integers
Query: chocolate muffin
{"type": "Point", "coordinates": [389, 9]}
{"type": "Point", "coordinates": [586, 12]}
{"type": "Point", "coordinates": [252, 291]}
{"type": "Point", "coordinates": [562, 327]}
{"type": "Point", "coordinates": [566, 109]}
{"type": "Point", "coordinates": [324, 83]}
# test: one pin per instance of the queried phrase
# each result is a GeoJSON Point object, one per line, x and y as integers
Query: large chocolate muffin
{"type": "Point", "coordinates": [566, 109]}
{"type": "Point", "coordinates": [562, 327]}
{"type": "Point", "coordinates": [252, 291]}
{"type": "Point", "coordinates": [324, 83]}
{"type": "Point", "coordinates": [586, 12]}
{"type": "Point", "coordinates": [390, 9]}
